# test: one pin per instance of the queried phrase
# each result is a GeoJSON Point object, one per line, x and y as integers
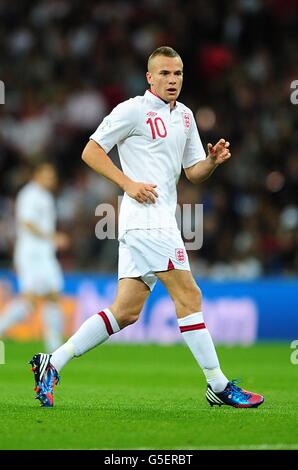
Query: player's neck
{"type": "Point", "coordinates": [171, 103]}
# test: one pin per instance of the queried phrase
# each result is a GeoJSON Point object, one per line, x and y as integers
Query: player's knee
{"type": "Point", "coordinates": [124, 316]}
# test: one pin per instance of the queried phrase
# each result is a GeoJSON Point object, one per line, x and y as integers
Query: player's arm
{"type": "Point", "coordinates": [217, 154]}
{"type": "Point", "coordinates": [95, 157]}
{"type": "Point", "coordinates": [35, 230]}
{"type": "Point", "coordinates": [61, 240]}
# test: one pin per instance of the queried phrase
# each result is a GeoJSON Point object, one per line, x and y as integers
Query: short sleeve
{"type": "Point", "coordinates": [194, 150]}
{"type": "Point", "coordinates": [118, 125]}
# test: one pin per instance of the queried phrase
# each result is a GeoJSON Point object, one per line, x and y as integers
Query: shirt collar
{"type": "Point", "coordinates": [155, 98]}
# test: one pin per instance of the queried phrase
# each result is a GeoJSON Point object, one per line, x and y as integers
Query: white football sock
{"type": "Point", "coordinates": [199, 341]}
{"type": "Point", "coordinates": [16, 311]}
{"type": "Point", "coordinates": [52, 317]}
{"type": "Point", "coordinates": [94, 331]}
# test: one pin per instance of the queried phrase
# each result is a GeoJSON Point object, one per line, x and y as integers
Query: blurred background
{"type": "Point", "coordinates": [66, 64]}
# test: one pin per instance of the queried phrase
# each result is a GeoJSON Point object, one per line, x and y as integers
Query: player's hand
{"type": "Point", "coordinates": [141, 192]}
{"type": "Point", "coordinates": [61, 241]}
{"type": "Point", "coordinates": [219, 153]}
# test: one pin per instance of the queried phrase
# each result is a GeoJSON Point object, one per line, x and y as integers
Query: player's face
{"type": "Point", "coordinates": [165, 77]}
{"type": "Point", "coordinates": [47, 177]}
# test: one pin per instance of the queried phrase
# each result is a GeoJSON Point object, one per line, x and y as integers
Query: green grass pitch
{"type": "Point", "coordinates": [149, 397]}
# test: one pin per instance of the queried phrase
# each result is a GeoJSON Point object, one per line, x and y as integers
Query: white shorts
{"type": "Point", "coordinates": [143, 252]}
{"type": "Point", "coordinates": [39, 276]}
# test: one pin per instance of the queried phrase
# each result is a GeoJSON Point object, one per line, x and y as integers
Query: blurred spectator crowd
{"type": "Point", "coordinates": [66, 64]}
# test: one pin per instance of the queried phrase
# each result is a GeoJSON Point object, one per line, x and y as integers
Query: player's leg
{"type": "Point", "coordinates": [25, 303]}
{"type": "Point", "coordinates": [31, 278]}
{"type": "Point", "coordinates": [124, 311]}
{"type": "Point", "coordinates": [129, 302]}
{"type": "Point", "coordinates": [16, 311]}
{"type": "Point", "coordinates": [52, 318]}
{"type": "Point", "coordinates": [187, 298]}
{"type": "Point", "coordinates": [188, 302]}
{"type": "Point", "coordinates": [153, 251]}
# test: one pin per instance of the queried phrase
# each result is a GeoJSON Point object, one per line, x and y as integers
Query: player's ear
{"type": "Point", "coordinates": [149, 78]}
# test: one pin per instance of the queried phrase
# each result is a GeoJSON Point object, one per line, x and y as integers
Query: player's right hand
{"type": "Point", "coordinates": [141, 192]}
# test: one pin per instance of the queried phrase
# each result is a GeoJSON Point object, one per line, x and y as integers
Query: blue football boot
{"type": "Point", "coordinates": [234, 396]}
{"type": "Point", "coordinates": [46, 378]}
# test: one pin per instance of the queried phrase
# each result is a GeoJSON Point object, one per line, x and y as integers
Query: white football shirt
{"type": "Point", "coordinates": [35, 205]}
{"type": "Point", "coordinates": [153, 144]}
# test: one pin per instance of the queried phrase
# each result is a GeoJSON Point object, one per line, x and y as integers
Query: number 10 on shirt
{"type": "Point", "coordinates": [157, 127]}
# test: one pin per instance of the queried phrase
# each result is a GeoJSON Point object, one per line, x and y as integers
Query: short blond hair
{"type": "Point", "coordinates": [165, 51]}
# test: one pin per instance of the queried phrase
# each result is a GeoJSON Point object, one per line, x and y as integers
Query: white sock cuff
{"type": "Point", "coordinates": [112, 320]}
{"type": "Point", "coordinates": [191, 319]}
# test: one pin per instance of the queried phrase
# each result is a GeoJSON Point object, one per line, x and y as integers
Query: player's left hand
{"type": "Point", "coordinates": [219, 153]}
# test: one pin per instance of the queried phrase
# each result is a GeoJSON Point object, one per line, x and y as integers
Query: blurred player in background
{"type": "Point", "coordinates": [156, 136]}
{"type": "Point", "coordinates": [38, 271]}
